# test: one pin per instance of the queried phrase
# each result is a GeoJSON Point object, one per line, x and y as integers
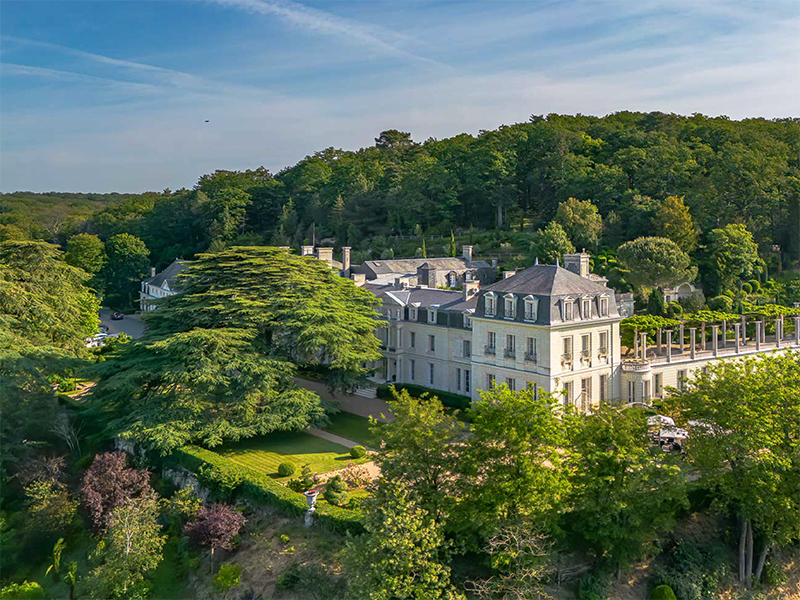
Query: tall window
{"type": "Point", "coordinates": [511, 383]}
{"type": "Point", "coordinates": [431, 315]}
{"type": "Point", "coordinates": [412, 339]}
{"type": "Point", "coordinates": [412, 313]}
{"type": "Point", "coordinates": [631, 391]}
{"type": "Point", "coordinates": [431, 343]}
{"type": "Point", "coordinates": [467, 321]}
{"type": "Point", "coordinates": [489, 381]}
{"type": "Point", "coordinates": [603, 385]}
{"type": "Point", "coordinates": [603, 306]}
{"type": "Point", "coordinates": [510, 309]}
{"type": "Point", "coordinates": [412, 368]}
{"type": "Point", "coordinates": [466, 380]}
{"type": "Point", "coordinates": [658, 385]}
{"type": "Point", "coordinates": [491, 341]}
{"type": "Point", "coordinates": [645, 390]}
{"type": "Point", "coordinates": [586, 308]}
{"type": "Point", "coordinates": [452, 279]}
{"type": "Point", "coordinates": [682, 379]}
{"type": "Point", "coordinates": [530, 349]}
{"type": "Point", "coordinates": [489, 304]}
{"type": "Point", "coordinates": [531, 306]}
{"type": "Point", "coordinates": [603, 342]}
{"type": "Point", "coordinates": [568, 397]}
{"type": "Point", "coordinates": [458, 379]}
{"type": "Point", "coordinates": [586, 346]}
{"type": "Point", "coordinates": [569, 306]}
{"type": "Point", "coordinates": [511, 344]}
{"type": "Point", "coordinates": [431, 373]}
{"type": "Point", "coordinates": [567, 347]}
{"type": "Point", "coordinates": [586, 393]}
{"type": "Point", "coordinates": [467, 348]}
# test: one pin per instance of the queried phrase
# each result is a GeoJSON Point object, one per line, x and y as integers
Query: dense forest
{"type": "Point", "coordinates": [513, 178]}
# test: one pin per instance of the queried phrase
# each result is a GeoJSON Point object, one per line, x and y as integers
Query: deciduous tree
{"type": "Point", "coordinates": [581, 222]}
{"type": "Point", "coordinates": [673, 221]}
{"type": "Point", "coordinates": [87, 252]}
{"type": "Point", "coordinates": [654, 262]}
{"type": "Point", "coordinates": [128, 263]}
{"type": "Point", "coordinates": [733, 254]}
{"type": "Point", "coordinates": [109, 483]}
{"type": "Point", "coordinates": [550, 244]}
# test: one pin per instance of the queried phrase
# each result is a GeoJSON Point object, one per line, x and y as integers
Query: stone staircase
{"type": "Point", "coordinates": [366, 392]}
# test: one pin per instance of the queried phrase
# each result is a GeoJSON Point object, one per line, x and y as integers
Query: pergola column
{"type": "Point", "coordinates": [692, 340]}
{"type": "Point", "coordinates": [736, 334]}
{"type": "Point", "coordinates": [703, 335]}
{"type": "Point", "coordinates": [797, 331]}
{"type": "Point", "coordinates": [724, 332]}
{"type": "Point", "coordinates": [658, 341]}
{"type": "Point", "coordinates": [758, 335]}
{"type": "Point", "coordinates": [669, 345]}
{"type": "Point", "coordinates": [636, 344]}
{"type": "Point", "coordinates": [744, 330]}
{"type": "Point", "coordinates": [680, 329]}
{"type": "Point", "coordinates": [778, 332]}
{"type": "Point", "coordinates": [643, 345]}
{"type": "Point", "coordinates": [715, 339]}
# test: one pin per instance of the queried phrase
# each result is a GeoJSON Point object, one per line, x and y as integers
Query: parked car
{"type": "Point", "coordinates": [117, 316]}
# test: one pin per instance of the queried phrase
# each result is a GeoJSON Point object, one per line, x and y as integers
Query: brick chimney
{"type": "Point", "coordinates": [325, 254]}
{"type": "Point", "coordinates": [466, 252]}
{"type": "Point", "coordinates": [471, 288]}
{"type": "Point", "coordinates": [346, 260]}
{"type": "Point", "coordinates": [577, 263]}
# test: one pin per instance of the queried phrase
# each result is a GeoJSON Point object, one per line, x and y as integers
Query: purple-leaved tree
{"type": "Point", "coordinates": [109, 483]}
{"type": "Point", "coordinates": [214, 527]}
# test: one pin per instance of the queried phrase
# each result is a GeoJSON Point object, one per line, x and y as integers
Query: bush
{"type": "Point", "coordinates": [721, 303]}
{"type": "Point", "coordinates": [674, 310]}
{"type": "Point", "coordinates": [358, 452]}
{"type": "Point", "coordinates": [311, 580]}
{"type": "Point", "coordinates": [27, 590]}
{"type": "Point", "coordinates": [286, 469]}
{"type": "Point", "coordinates": [222, 481]}
{"type": "Point", "coordinates": [229, 576]}
{"type": "Point", "coordinates": [284, 539]}
{"type": "Point", "coordinates": [693, 571]}
{"type": "Point", "coordinates": [305, 482]}
{"type": "Point", "coordinates": [756, 285]}
{"type": "Point", "coordinates": [594, 587]}
{"type": "Point", "coordinates": [662, 592]}
{"type": "Point", "coordinates": [336, 491]}
{"type": "Point", "coordinates": [417, 391]}
{"type": "Point", "coordinates": [772, 576]}
{"type": "Point", "coordinates": [747, 288]}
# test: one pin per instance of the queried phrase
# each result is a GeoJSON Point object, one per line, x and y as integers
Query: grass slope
{"type": "Point", "coordinates": [353, 427]}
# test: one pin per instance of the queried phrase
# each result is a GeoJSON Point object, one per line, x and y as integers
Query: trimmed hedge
{"type": "Point", "coordinates": [261, 489]}
{"type": "Point", "coordinates": [448, 399]}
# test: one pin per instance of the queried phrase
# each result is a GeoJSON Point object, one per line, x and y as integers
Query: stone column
{"type": "Point", "coordinates": [636, 344]}
{"type": "Point", "coordinates": [764, 331]}
{"type": "Point", "coordinates": [736, 334]}
{"type": "Point", "coordinates": [643, 345]}
{"type": "Point", "coordinates": [715, 339]}
{"type": "Point", "coordinates": [744, 330]}
{"type": "Point", "coordinates": [658, 342]}
{"type": "Point", "coordinates": [692, 340]}
{"type": "Point", "coordinates": [758, 335]}
{"type": "Point", "coordinates": [703, 335]}
{"type": "Point", "coordinates": [680, 328]}
{"type": "Point", "coordinates": [724, 332]}
{"type": "Point", "coordinates": [778, 332]}
{"type": "Point", "coordinates": [669, 345]}
{"type": "Point", "coordinates": [797, 331]}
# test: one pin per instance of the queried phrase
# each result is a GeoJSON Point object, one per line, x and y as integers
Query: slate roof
{"type": "Point", "coordinates": [423, 297]}
{"type": "Point", "coordinates": [410, 265]}
{"type": "Point", "coordinates": [547, 280]}
{"type": "Point", "coordinates": [168, 275]}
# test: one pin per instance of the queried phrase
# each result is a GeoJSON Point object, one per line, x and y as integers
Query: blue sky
{"type": "Point", "coordinates": [113, 95]}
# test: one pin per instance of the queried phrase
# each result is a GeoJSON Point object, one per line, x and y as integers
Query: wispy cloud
{"type": "Point", "coordinates": [319, 21]}
{"type": "Point", "coordinates": [45, 73]}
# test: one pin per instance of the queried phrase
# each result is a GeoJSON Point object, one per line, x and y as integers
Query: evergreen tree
{"type": "Point", "coordinates": [452, 250]}
{"type": "Point", "coordinates": [655, 303]}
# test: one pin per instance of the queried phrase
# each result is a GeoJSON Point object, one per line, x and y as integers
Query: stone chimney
{"type": "Point", "coordinates": [152, 271]}
{"type": "Point", "coordinates": [494, 263]}
{"type": "Point", "coordinates": [306, 250]}
{"type": "Point", "coordinates": [507, 274]}
{"type": "Point", "coordinates": [577, 263]}
{"type": "Point", "coordinates": [466, 252]}
{"type": "Point", "coordinates": [346, 260]}
{"type": "Point", "coordinates": [471, 288]}
{"type": "Point", "coordinates": [325, 254]}
{"type": "Point", "coordinates": [359, 278]}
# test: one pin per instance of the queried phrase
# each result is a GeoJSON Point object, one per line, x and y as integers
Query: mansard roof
{"type": "Point", "coordinates": [410, 265]}
{"type": "Point", "coordinates": [547, 280]}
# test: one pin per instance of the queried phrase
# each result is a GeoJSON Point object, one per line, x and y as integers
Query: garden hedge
{"type": "Point", "coordinates": [257, 488]}
{"type": "Point", "coordinates": [416, 391]}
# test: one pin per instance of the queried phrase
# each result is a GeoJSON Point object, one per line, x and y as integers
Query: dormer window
{"type": "Point", "coordinates": [531, 308]}
{"type": "Point", "coordinates": [569, 309]}
{"type": "Point", "coordinates": [510, 306]}
{"type": "Point", "coordinates": [603, 306]}
{"type": "Point", "coordinates": [468, 319]}
{"type": "Point", "coordinates": [586, 308]}
{"type": "Point", "coordinates": [490, 304]}
{"type": "Point", "coordinates": [432, 315]}
{"type": "Point", "coordinates": [412, 313]}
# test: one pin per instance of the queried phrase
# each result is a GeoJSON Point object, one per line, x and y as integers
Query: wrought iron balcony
{"type": "Point", "coordinates": [487, 349]}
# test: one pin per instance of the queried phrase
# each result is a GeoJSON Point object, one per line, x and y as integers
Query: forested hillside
{"type": "Point", "coordinates": [642, 174]}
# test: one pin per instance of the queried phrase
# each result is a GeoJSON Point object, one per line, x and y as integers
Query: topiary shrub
{"type": "Point", "coordinates": [747, 288]}
{"type": "Point", "coordinates": [305, 482]}
{"type": "Point", "coordinates": [358, 452]}
{"type": "Point", "coordinates": [721, 303]}
{"type": "Point", "coordinates": [229, 577]}
{"type": "Point", "coordinates": [286, 469]}
{"type": "Point", "coordinates": [662, 592]}
{"type": "Point", "coordinates": [756, 285]}
{"type": "Point", "coordinates": [336, 491]}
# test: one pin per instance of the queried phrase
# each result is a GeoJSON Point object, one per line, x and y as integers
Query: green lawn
{"type": "Point", "coordinates": [265, 453]}
{"type": "Point", "coordinates": [352, 427]}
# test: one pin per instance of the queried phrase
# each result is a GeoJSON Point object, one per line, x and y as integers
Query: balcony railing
{"type": "Point", "coordinates": [530, 356]}
{"type": "Point", "coordinates": [510, 353]}
{"type": "Point", "coordinates": [487, 349]}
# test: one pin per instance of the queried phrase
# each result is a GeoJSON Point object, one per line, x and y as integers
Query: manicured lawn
{"type": "Point", "coordinates": [265, 453]}
{"type": "Point", "coordinates": [352, 427]}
